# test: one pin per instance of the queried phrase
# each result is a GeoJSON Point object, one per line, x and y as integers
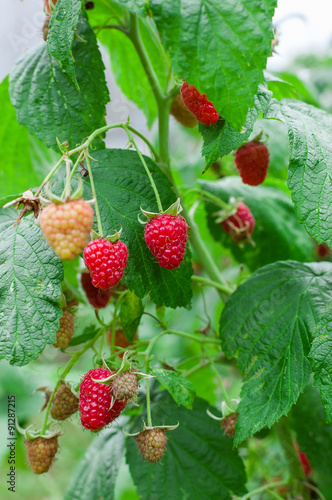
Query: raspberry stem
{"type": "Point", "coordinates": [223, 388]}
{"type": "Point", "coordinates": [49, 175]}
{"type": "Point", "coordinates": [265, 487]}
{"type": "Point", "coordinates": [218, 286]}
{"type": "Point", "coordinates": [94, 194]}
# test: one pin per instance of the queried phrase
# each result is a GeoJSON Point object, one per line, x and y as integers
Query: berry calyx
{"type": "Point", "coordinates": [198, 105]}
{"type": "Point", "coordinates": [97, 297]}
{"type": "Point", "coordinates": [106, 262]}
{"type": "Point", "coordinates": [41, 452]}
{"type": "Point", "coordinates": [182, 114]}
{"type": "Point", "coordinates": [124, 386]}
{"type": "Point", "coordinates": [252, 161]}
{"type": "Point", "coordinates": [64, 403]}
{"type": "Point", "coordinates": [67, 227]}
{"type": "Point", "coordinates": [240, 225]}
{"type": "Point", "coordinates": [95, 401]}
{"type": "Point", "coordinates": [166, 237]}
{"type": "Point", "coordinates": [66, 330]}
{"type": "Point", "coordinates": [152, 444]}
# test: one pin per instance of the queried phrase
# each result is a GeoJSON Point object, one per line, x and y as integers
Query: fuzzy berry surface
{"type": "Point", "coordinates": [203, 110]}
{"type": "Point", "coordinates": [240, 225]}
{"type": "Point", "coordinates": [97, 297]}
{"type": "Point", "coordinates": [106, 262]}
{"type": "Point", "coordinates": [152, 444]}
{"type": "Point", "coordinates": [252, 161]}
{"type": "Point", "coordinates": [124, 386]}
{"type": "Point", "coordinates": [66, 330]}
{"type": "Point", "coordinates": [95, 402]}
{"type": "Point", "coordinates": [182, 114]}
{"type": "Point", "coordinates": [64, 403]}
{"type": "Point", "coordinates": [41, 452]}
{"type": "Point", "coordinates": [166, 237]}
{"type": "Point", "coordinates": [67, 227]}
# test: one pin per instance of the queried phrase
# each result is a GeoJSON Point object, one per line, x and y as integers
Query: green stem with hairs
{"type": "Point", "coordinates": [218, 286]}
{"type": "Point", "coordinates": [49, 175]}
{"type": "Point", "coordinates": [221, 383]}
{"type": "Point", "coordinates": [94, 194]}
{"type": "Point", "coordinates": [265, 487]}
{"type": "Point", "coordinates": [201, 339]}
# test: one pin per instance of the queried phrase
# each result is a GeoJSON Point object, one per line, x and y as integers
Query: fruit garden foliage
{"type": "Point", "coordinates": [274, 325]}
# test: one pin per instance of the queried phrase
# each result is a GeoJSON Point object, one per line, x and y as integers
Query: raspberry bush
{"type": "Point", "coordinates": [189, 297]}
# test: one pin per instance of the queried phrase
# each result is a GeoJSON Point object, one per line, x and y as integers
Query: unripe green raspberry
{"type": "Point", "coordinates": [66, 330]}
{"type": "Point", "coordinates": [152, 444]}
{"type": "Point", "coordinates": [67, 227]}
{"type": "Point", "coordinates": [124, 386]}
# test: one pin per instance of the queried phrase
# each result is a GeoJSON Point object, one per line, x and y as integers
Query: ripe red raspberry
{"type": "Point", "coordinates": [228, 424]}
{"type": "Point", "coordinates": [252, 161]}
{"type": "Point", "coordinates": [66, 330]}
{"type": "Point", "coordinates": [152, 444]}
{"type": "Point", "coordinates": [64, 403]}
{"type": "Point", "coordinates": [166, 237]}
{"type": "Point", "coordinates": [67, 226]}
{"type": "Point", "coordinates": [124, 386]}
{"type": "Point", "coordinates": [182, 114]}
{"type": "Point", "coordinates": [97, 297]}
{"type": "Point", "coordinates": [95, 401]}
{"type": "Point", "coordinates": [106, 262]}
{"type": "Point", "coordinates": [240, 225]}
{"type": "Point", "coordinates": [41, 452]}
{"type": "Point", "coordinates": [198, 104]}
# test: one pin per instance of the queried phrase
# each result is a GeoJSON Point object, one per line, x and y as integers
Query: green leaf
{"type": "Point", "coordinates": [267, 325]}
{"type": "Point", "coordinates": [221, 139]}
{"type": "Point", "coordinates": [88, 333]}
{"type": "Point", "coordinates": [30, 277]}
{"type": "Point", "coordinates": [18, 151]}
{"type": "Point", "coordinates": [219, 47]}
{"type": "Point", "coordinates": [128, 70]}
{"type": "Point", "coordinates": [47, 102]}
{"type": "Point", "coordinates": [321, 361]}
{"type": "Point", "coordinates": [123, 187]}
{"type": "Point", "coordinates": [97, 473]}
{"type": "Point", "coordinates": [181, 389]}
{"type": "Point", "coordinates": [130, 314]}
{"type": "Point", "coordinates": [61, 35]}
{"type": "Point", "coordinates": [314, 435]}
{"type": "Point", "coordinates": [199, 462]}
{"type": "Point", "coordinates": [277, 234]}
{"type": "Point", "coordinates": [309, 177]}
{"type": "Point", "coordinates": [139, 7]}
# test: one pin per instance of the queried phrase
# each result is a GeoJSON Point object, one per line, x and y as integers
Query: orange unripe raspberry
{"type": "Point", "coordinates": [67, 227]}
{"type": "Point", "coordinates": [66, 330]}
{"type": "Point", "coordinates": [41, 452]}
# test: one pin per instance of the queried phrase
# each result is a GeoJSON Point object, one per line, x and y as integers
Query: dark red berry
{"type": "Point", "coordinates": [198, 104]}
{"type": "Point", "coordinates": [240, 225]}
{"type": "Point", "coordinates": [166, 237]}
{"type": "Point", "coordinates": [97, 297]}
{"type": "Point", "coordinates": [252, 161]}
{"type": "Point", "coordinates": [106, 262]}
{"type": "Point", "coordinates": [95, 402]}
{"type": "Point", "coordinates": [306, 467]}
